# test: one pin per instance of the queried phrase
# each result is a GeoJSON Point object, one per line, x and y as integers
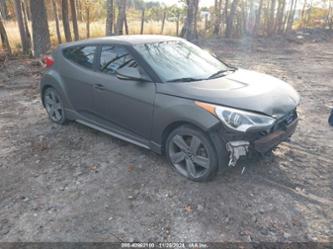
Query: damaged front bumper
{"type": "Point", "coordinates": [236, 149]}
{"type": "Point", "coordinates": [259, 143]}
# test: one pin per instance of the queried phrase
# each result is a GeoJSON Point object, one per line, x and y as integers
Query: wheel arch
{"type": "Point", "coordinates": [212, 134]}
{"type": "Point", "coordinates": [171, 127]}
{"type": "Point", "coordinates": [53, 79]}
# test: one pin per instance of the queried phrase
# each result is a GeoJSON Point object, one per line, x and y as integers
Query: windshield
{"type": "Point", "coordinates": [180, 60]}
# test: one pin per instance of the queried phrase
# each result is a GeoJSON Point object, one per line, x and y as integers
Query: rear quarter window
{"type": "Point", "coordinates": [82, 55]}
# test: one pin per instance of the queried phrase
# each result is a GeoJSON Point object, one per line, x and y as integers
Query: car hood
{"type": "Point", "coordinates": [242, 89]}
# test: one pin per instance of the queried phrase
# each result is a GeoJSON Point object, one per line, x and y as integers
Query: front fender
{"type": "Point", "coordinates": [171, 110]}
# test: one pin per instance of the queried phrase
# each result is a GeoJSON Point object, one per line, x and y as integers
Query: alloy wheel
{"type": "Point", "coordinates": [53, 105]}
{"type": "Point", "coordinates": [189, 156]}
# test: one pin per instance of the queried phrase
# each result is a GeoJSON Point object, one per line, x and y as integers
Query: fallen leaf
{"type": "Point", "coordinates": [93, 168]}
{"type": "Point", "coordinates": [188, 209]}
{"type": "Point", "coordinates": [130, 168]}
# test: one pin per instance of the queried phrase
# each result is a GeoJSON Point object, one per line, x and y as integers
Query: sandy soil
{"type": "Point", "coordinates": [71, 183]}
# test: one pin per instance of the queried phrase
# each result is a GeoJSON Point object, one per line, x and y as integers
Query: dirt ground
{"type": "Point", "coordinates": [71, 183]}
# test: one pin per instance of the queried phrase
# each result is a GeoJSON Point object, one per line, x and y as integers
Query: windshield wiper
{"type": "Point", "coordinates": [186, 79]}
{"type": "Point", "coordinates": [215, 75]}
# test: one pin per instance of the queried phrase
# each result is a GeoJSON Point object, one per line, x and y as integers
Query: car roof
{"type": "Point", "coordinates": [124, 39]}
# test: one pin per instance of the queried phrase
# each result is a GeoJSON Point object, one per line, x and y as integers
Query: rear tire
{"type": "Point", "coordinates": [191, 153]}
{"type": "Point", "coordinates": [54, 106]}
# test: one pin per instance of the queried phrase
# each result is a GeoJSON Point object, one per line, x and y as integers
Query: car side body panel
{"type": "Point", "coordinates": [128, 104]}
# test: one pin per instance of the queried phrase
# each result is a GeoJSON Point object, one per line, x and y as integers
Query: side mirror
{"type": "Point", "coordinates": [131, 73]}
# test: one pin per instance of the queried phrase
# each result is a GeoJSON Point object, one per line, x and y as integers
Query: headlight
{"type": "Point", "coordinates": [236, 119]}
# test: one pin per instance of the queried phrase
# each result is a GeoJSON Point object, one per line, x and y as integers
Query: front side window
{"type": "Point", "coordinates": [174, 60]}
{"type": "Point", "coordinates": [82, 55]}
{"type": "Point", "coordinates": [114, 58]}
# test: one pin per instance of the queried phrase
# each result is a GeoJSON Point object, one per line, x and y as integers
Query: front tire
{"type": "Point", "coordinates": [191, 153]}
{"type": "Point", "coordinates": [54, 106]}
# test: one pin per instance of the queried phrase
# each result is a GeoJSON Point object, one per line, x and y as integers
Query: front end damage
{"type": "Point", "coordinates": [262, 141]}
{"type": "Point", "coordinates": [236, 149]}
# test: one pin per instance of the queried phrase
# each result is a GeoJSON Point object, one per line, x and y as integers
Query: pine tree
{"type": "Point", "coordinates": [4, 37]}
{"type": "Point", "coordinates": [121, 16]}
{"type": "Point", "coordinates": [25, 41]}
{"type": "Point", "coordinates": [109, 17]}
{"type": "Point", "coordinates": [189, 31]}
{"type": "Point", "coordinates": [3, 9]}
{"type": "Point", "coordinates": [40, 27]}
{"type": "Point", "coordinates": [230, 19]}
{"type": "Point", "coordinates": [74, 20]}
{"type": "Point", "coordinates": [65, 20]}
{"type": "Point", "coordinates": [56, 18]}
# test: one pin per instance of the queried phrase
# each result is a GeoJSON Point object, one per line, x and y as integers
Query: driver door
{"type": "Point", "coordinates": [125, 103]}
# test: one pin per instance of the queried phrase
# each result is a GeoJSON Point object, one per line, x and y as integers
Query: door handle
{"type": "Point", "coordinates": [99, 86]}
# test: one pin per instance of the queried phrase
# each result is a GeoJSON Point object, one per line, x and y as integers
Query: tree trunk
{"type": "Point", "coordinates": [303, 13]}
{"type": "Point", "coordinates": [288, 19]}
{"type": "Point", "coordinates": [177, 24]}
{"type": "Point", "coordinates": [79, 10]}
{"type": "Point", "coordinates": [109, 17]}
{"type": "Point", "coordinates": [26, 47]}
{"type": "Point", "coordinates": [4, 9]}
{"type": "Point", "coordinates": [244, 17]}
{"type": "Point", "coordinates": [121, 17]}
{"type": "Point", "coordinates": [291, 16]}
{"type": "Point", "coordinates": [330, 15]}
{"type": "Point", "coordinates": [218, 17]}
{"type": "Point", "coordinates": [279, 15]}
{"type": "Point", "coordinates": [285, 19]}
{"type": "Point", "coordinates": [163, 21]}
{"type": "Point", "coordinates": [26, 24]}
{"type": "Point", "coordinates": [56, 18]}
{"type": "Point", "coordinates": [74, 20]}
{"type": "Point", "coordinates": [283, 9]}
{"type": "Point", "coordinates": [115, 7]}
{"type": "Point", "coordinates": [188, 29]}
{"type": "Point", "coordinates": [65, 20]}
{"type": "Point", "coordinates": [230, 20]}
{"type": "Point", "coordinates": [266, 17]}
{"type": "Point", "coordinates": [40, 27]}
{"type": "Point", "coordinates": [216, 4]}
{"type": "Point", "coordinates": [195, 22]}
{"type": "Point", "coordinates": [142, 21]}
{"type": "Point", "coordinates": [4, 37]}
{"type": "Point", "coordinates": [271, 28]}
{"type": "Point", "coordinates": [88, 21]}
{"type": "Point", "coordinates": [126, 25]}
{"type": "Point", "coordinates": [27, 9]}
{"type": "Point", "coordinates": [251, 18]}
{"type": "Point", "coordinates": [258, 18]}
{"type": "Point", "coordinates": [206, 22]}
{"type": "Point", "coordinates": [226, 6]}
{"type": "Point", "coordinates": [309, 13]}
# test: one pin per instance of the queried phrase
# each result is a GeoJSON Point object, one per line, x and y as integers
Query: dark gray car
{"type": "Point", "coordinates": [168, 95]}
